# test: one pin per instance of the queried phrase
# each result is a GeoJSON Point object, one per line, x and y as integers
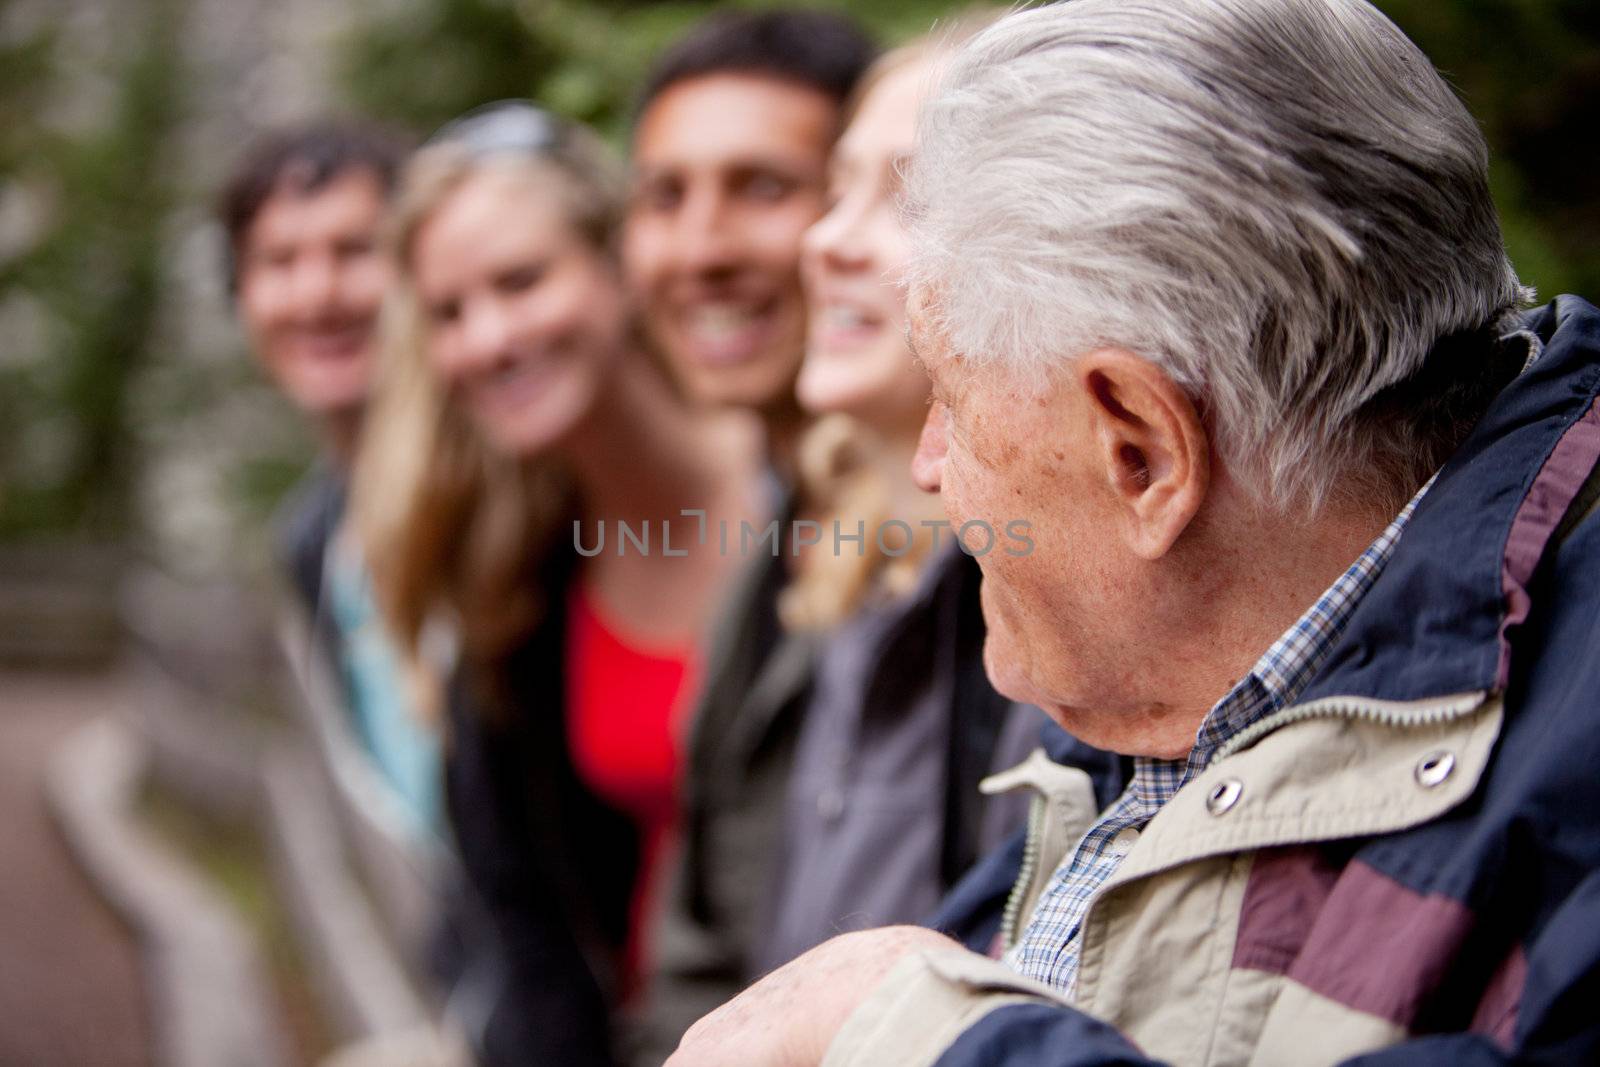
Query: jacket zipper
{"type": "Point", "coordinates": [1011, 917]}
{"type": "Point", "coordinates": [1410, 713]}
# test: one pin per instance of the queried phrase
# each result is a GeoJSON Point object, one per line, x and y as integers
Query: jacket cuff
{"type": "Point", "coordinates": [924, 1004]}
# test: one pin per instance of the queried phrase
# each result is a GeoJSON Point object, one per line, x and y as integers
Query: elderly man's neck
{"type": "Point", "coordinates": [1236, 586]}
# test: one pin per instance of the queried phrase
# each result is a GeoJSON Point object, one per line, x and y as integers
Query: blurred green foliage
{"type": "Point", "coordinates": [1528, 69]}
{"type": "Point", "coordinates": [89, 281]}
{"type": "Point", "coordinates": [91, 277]}
{"type": "Point", "coordinates": [582, 58]}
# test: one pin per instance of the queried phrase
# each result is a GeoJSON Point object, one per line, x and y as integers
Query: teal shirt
{"type": "Point", "coordinates": [404, 751]}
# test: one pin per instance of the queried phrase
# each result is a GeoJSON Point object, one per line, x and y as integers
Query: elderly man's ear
{"type": "Point", "coordinates": [1151, 443]}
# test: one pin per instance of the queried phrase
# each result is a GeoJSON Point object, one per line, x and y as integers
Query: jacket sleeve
{"type": "Point", "coordinates": [955, 1009]}
{"type": "Point", "coordinates": [1551, 1018]}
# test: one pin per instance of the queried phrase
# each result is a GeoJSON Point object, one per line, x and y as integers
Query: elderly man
{"type": "Point", "coordinates": [1214, 292]}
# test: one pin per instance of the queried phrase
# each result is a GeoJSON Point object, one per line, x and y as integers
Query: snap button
{"type": "Point", "coordinates": [1123, 843]}
{"type": "Point", "coordinates": [1224, 795]}
{"type": "Point", "coordinates": [1434, 768]}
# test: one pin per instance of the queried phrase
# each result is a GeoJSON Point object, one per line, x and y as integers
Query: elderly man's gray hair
{"type": "Point", "coordinates": [1279, 201]}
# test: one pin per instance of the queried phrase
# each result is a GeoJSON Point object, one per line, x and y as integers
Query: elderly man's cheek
{"type": "Point", "coordinates": [952, 495]}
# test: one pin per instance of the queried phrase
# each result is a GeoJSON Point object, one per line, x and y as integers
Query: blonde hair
{"type": "Point", "coordinates": [839, 480]}
{"type": "Point", "coordinates": [840, 483]}
{"type": "Point", "coordinates": [451, 527]}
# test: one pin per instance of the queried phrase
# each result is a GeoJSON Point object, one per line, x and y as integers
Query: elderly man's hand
{"type": "Point", "coordinates": [789, 1018]}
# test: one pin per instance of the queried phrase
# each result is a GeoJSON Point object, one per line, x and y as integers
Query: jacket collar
{"type": "Point", "coordinates": [1440, 618]}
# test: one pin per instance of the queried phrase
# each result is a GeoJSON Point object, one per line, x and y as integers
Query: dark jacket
{"type": "Point", "coordinates": [550, 867]}
{"type": "Point", "coordinates": [304, 524]}
{"type": "Point", "coordinates": [1401, 868]}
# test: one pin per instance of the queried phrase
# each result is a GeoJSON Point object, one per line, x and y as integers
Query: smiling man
{"type": "Point", "coordinates": [1215, 289]}
{"type": "Point", "coordinates": [301, 212]}
{"type": "Point", "coordinates": [730, 154]}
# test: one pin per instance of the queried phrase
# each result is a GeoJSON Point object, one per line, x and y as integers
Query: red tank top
{"type": "Point", "coordinates": [623, 717]}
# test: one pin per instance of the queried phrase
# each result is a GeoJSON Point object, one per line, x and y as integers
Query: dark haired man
{"type": "Point", "coordinates": [301, 211]}
{"type": "Point", "coordinates": [730, 148]}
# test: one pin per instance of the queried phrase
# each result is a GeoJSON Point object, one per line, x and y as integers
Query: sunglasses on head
{"type": "Point", "coordinates": [505, 126]}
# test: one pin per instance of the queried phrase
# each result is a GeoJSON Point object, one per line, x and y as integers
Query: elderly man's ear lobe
{"type": "Point", "coordinates": [1152, 444]}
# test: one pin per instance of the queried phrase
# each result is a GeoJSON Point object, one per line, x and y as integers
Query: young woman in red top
{"type": "Point", "coordinates": [516, 419]}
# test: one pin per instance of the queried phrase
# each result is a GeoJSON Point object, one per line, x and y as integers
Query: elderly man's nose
{"type": "Point", "coordinates": [927, 466]}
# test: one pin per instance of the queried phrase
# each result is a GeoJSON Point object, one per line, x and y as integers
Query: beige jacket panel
{"type": "Point", "coordinates": [1158, 939]}
{"type": "Point", "coordinates": [924, 1004]}
{"type": "Point", "coordinates": [1321, 779]}
{"type": "Point", "coordinates": [1307, 1028]}
{"type": "Point", "coordinates": [1184, 928]}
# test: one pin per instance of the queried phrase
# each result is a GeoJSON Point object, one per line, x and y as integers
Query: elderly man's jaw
{"type": "Point", "coordinates": [1106, 696]}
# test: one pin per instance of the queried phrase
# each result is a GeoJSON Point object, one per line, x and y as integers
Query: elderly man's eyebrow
{"type": "Point", "coordinates": [936, 389]}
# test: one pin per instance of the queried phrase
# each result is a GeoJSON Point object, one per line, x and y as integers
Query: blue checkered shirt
{"type": "Point", "coordinates": [1048, 948]}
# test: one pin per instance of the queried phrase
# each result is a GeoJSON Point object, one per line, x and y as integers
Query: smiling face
{"type": "Point", "coordinates": [856, 356]}
{"type": "Point", "coordinates": [524, 317]}
{"type": "Point", "coordinates": [728, 174]}
{"type": "Point", "coordinates": [310, 284]}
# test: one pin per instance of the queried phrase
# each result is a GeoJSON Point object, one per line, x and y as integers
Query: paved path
{"type": "Point", "coordinates": [70, 993]}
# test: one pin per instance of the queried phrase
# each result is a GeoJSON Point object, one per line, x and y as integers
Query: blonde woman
{"type": "Point", "coordinates": [882, 812]}
{"type": "Point", "coordinates": [517, 419]}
